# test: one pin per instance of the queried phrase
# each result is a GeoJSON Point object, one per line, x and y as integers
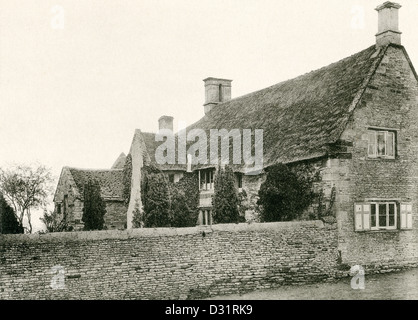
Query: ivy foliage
{"type": "Point", "coordinates": [137, 217]}
{"type": "Point", "coordinates": [155, 198]}
{"type": "Point", "coordinates": [225, 199]}
{"type": "Point", "coordinates": [94, 206]}
{"type": "Point", "coordinates": [284, 195]}
{"type": "Point", "coordinates": [166, 204]}
{"type": "Point", "coordinates": [184, 197]}
{"type": "Point", "coordinates": [8, 221]}
{"type": "Point", "coordinates": [127, 177]}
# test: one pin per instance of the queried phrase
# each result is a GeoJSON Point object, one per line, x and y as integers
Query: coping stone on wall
{"type": "Point", "coordinates": [156, 232]}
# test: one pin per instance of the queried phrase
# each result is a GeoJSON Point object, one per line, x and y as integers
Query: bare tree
{"type": "Point", "coordinates": [26, 188]}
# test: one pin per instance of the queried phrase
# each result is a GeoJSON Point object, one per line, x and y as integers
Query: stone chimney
{"type": "Point", "coordinates": [216, 91]}
{"type": "Point", "coordinates": [388, 24]}
{"type": "Point", "coordinates": [165, 122]}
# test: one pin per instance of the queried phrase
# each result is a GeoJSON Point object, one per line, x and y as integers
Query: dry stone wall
{"type": "Point", "coordinates": [166, 263]}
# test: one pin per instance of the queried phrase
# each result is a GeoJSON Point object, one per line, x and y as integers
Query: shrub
{"type": "Point", "coordinates": [155, 198]}
{"type": "Point", "coordinates": [181, 215]}
{"type": "Point", "coordinates": [138, 217]}
{"type": "Point", "coordinates": [167, 204]}
{"type": "Point", "coordinates": [8, 220]}
{"type": "Point", "coordinates": [185, 201]}
{"type": "Point", "coordinates": [94, 206]}
{"type": "Point", "coordinates": [225, 199]}
{"type": "Point", "coordinates": [127, 177]}
{"type": "Point", "coordinates": [54, 222]}
{"type": "Point", "coordinates": [284, 196]}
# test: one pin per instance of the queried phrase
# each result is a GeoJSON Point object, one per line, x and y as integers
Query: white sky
{"type": "Point", "coordinates": [74, 96]}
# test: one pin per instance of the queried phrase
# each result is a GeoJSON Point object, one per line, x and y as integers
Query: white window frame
{"type": "Point", "coordinates": [206, 179]}
{"type": "Point", "coordinates": [376, 132]}
{"type": "Point", "coordinates": [378, 227]}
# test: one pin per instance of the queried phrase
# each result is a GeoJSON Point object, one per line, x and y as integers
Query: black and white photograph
{"type": "Point", "coordinates": [211, 155]}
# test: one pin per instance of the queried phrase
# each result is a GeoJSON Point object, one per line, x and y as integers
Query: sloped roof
{"type": "Point", "coordinates": [120, 162]}
{"type": "Point", "coordinates": [301, 116]}
{"type": "Point", "coordinates": [152, 145]}
{"type": "Point", "coordinates": [110, 181]}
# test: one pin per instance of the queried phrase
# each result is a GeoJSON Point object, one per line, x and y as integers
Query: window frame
{"type": "Point", "coordinates": [387, 227]}
{"type": "Point", "coordinates": [239, 181]}
{"type": "Point", "coordinates": [206, 179]}
{"type": "Point", "coordinates": [376, 132]}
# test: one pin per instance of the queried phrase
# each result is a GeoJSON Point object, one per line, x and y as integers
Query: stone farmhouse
{"type": "Point", "coordinates": [354, 122]}
{"type": "Point", "coordinates": [69, 194]}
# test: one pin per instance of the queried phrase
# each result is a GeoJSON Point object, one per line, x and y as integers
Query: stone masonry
{"type": "Point", "coordinates": [185, 263]}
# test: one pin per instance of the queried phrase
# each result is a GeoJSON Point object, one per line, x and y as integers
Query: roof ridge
{"type": "Point", "coordinates": [294, 78]}
{"type": "Point", "coordinates": [380, 53]}
{"type": "Point", "coordinates": [87, 169]}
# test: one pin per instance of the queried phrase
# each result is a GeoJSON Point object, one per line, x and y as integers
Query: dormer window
{"type": "Point", "coordinates": [382, 144]}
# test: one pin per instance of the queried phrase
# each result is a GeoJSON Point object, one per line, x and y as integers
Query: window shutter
{"type": "Point", "coordinates": [358, 216]}
{"type": "Point", "coordinates": [372, 143]}
{"type": "Point", "coordinates": [390, 144]}
{"type": "Point", "coordinates": [362, 216]}
{"type": "Point", "coordinates": [406, 216]}
{"type": "Point", "coordinates": [366, 216]}
{"type": "Point", "coordinates": [409, 216]}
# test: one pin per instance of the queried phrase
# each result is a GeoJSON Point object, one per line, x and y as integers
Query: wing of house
{"type": "Point", "coordinates": [340, 119]}
{"type": "Point", "coordinates": [354, 122]}
{"type": "Point", "coordinates": [69, 195]}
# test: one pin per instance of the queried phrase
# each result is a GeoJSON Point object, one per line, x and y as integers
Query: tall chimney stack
{"type": "Point", "coordinates": [216, 91]}
{"type": "Point", "coordinates": [165, 122]}
{"type": "Point", "coordinates": [388, 24]}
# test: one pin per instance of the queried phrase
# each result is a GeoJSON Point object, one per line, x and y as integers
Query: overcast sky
{"type": "Point", "coordinates": [78, 77]}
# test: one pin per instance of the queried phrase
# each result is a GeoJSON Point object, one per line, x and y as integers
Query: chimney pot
{"type": "Point", "coordinates": [165, 122]}
{"type": "Point", "coordinates": [216, 91]}
{"type": "Point", "coordinates": [388, 31]}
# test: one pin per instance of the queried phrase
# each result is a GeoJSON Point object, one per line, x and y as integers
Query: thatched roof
{"type": "Point", "coordinates": [110, 181]}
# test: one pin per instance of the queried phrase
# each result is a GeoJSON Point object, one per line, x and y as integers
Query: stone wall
{"type": "Point", "coordinates": [389, 101]}
{"type": "Point", "coordinates": [186, 263]}
{"type": "Point", "coordinates": [115, 217]}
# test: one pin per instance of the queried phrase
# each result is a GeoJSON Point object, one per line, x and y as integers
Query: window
{"type": "Point", "coordinates": [205, 217]}
{"type": "Point", "coordinates": [381, 144]}
{"type": "Point", "coordinates": [239, 180]}
{"type": "Point", "coordinates": [206, 179]}
{"type": "Point", "coordinates": [382, 215]}
{"type": "Point", "coordinates": [59, 208]}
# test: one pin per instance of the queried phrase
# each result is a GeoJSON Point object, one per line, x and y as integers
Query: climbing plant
{"type": "Point", "coordinates": [155, 198]}
{"type": "Point", "coordinates": [94, 207]}
{"type": "Point", "coordinates": [225, 199]}
{"type": "Point", "coordinates": [127, 177]}
{"type": "Point", "coordinates": [284, 195]}
{"type": "Point", "coordinates": [184, 201]}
